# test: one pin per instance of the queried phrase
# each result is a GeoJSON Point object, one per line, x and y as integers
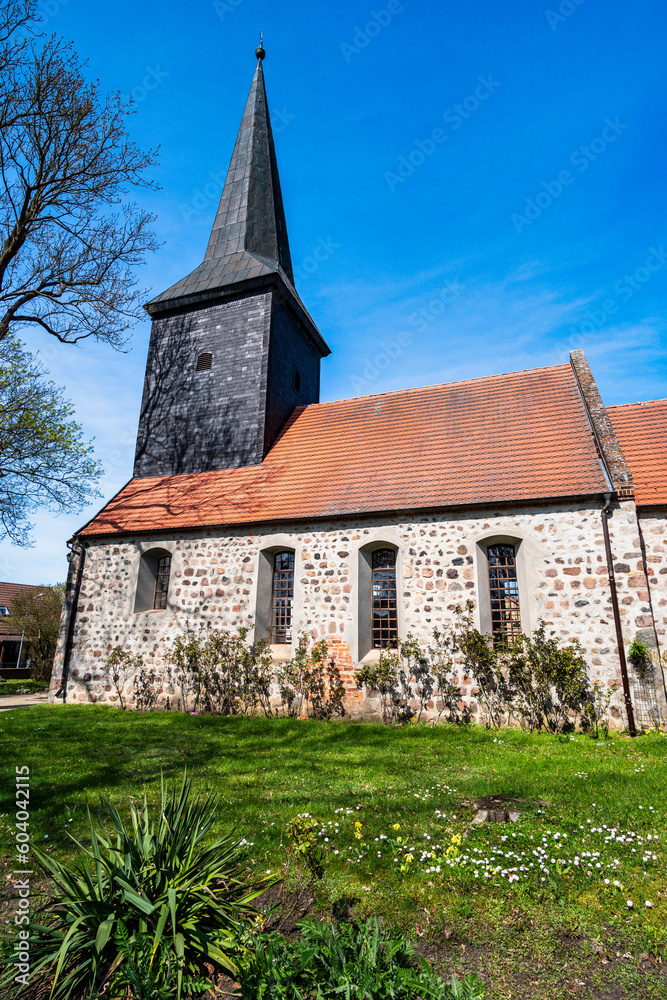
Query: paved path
{"type": "Point", "coordinates": [23, 700]}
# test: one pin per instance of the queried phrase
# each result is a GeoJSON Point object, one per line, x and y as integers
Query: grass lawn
{"type": "Point", "coordinates": [539, 908]}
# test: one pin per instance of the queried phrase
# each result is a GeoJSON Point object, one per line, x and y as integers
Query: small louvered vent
{"type": "Point", "coordinates": [204, 362]}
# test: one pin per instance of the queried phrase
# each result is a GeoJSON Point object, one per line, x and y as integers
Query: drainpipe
{"type": "Point", "coordinates": [69, 641]}
{"type": "Point", "coordinates": [605, 514]}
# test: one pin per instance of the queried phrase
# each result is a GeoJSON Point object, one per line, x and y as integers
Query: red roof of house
{"type": "Point", "coordinates": [641, 429]}
{"type": "Point", "coordinates": [9, 628]}
{"type": "Point", "coordinates": [521, 436]}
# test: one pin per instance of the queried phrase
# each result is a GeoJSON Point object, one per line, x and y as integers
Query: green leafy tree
{"type": "Point", "coordinates": [37, 614]}
{"type": "Point", "coordinates": [69, 237]}
{"type": "Point", "coordinates": [44, 461]}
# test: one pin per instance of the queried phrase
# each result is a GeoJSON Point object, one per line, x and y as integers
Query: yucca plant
{"type": "Point", "coordinates": [155, 878]}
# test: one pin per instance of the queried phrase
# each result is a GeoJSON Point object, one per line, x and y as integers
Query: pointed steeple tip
{"type": "Point", "coordinates": [259, 51]}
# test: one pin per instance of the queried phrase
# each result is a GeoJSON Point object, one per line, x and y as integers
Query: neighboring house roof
{"type": "Point", "coordinates": [641, 429]}
{"type": "Point", "coordinates": [516, 437]}
{"type": "Point", "coordinates": [9, 628]}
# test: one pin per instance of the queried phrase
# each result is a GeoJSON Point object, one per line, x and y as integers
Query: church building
{"type": "Point", "coordinates": [360, 520]}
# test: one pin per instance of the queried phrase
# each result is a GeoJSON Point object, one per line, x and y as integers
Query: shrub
{"type": "Point", "coordinates": [594, 719]}
{"type": "Point", "coordinates": [640, 658]}
{"type": "Point", "coordinates": [441, 655]}
{"type": "Point", "coordinates": [154, 878]}
{"type": "Point", "coordinates": [311, 676]}
{"type": "Point", "coordinates": [364, 962]}
{"type": "Point", "coordinates": [480, 660]}
{"type": "Point", "coordinates": [533, 678]}
{"type": "Point", "coordinates": [121, 667]}
{"type": "Point", "coordinates": [218, 672]}
{"type": "Point", "coordinates": [548, 683]}
{"type": "Point", "coordinates": [400, 676]}
{"type": "Point", "coordinates": [304, 845]}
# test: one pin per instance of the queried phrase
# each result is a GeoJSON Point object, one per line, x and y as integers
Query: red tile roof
{"type": "Point", "coordinates": [641, 429]}
{"type": "Point", "coordinates": [515, 437]}
{"type": "Point", "coordinates": [9, 628]}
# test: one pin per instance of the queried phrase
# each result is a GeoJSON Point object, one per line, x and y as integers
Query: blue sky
{"type": "Point", "coordinates": [487, 181]}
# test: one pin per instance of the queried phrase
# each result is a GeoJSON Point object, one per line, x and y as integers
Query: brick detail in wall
{"type": "Point", "coordinates": [342, 657]}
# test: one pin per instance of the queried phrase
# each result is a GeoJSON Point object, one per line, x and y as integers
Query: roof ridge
{"type": "Point", "coordinates": [434, 385]}
{"type": "Point", "coordinates": [640, 402]}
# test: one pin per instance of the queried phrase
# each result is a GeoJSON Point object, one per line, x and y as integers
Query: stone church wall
{"type": "Point", "coordinates": [653, 538]}
{"type": "Point", "coordinates": [441, 563]}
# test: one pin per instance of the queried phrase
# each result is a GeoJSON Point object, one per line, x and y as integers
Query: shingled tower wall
{"type": "Point", "coordinates": [241, 308]}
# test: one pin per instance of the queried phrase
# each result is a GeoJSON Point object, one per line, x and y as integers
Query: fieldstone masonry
{"type": "Point", "coordinates": [563, 577]}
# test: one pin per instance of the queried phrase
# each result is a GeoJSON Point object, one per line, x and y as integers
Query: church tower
{"type": "Point", "coordinates": [232, 348]}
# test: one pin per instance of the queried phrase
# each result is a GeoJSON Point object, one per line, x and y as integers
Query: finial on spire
{"type": "Point", "coordinates": [259, 51]}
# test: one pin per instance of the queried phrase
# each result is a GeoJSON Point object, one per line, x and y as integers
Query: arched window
{"type": "Point", "coordinates": [152, 593]}
{"type": "Point", "coordinates": [504, 592]}
{"type": "Point", "coordinates": [204, 362]}
{"type": "Point", "coordinates": [162, 583]}
{"type": "Point", "coordinates": [282, 598]}
{"type": "Point", "coordinates": [384, 608]}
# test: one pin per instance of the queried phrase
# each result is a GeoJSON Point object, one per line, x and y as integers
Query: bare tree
{"type": "Point", "coordinates": [69, 238]}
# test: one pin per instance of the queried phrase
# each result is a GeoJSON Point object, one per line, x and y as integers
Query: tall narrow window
{"type": "Point", "coordinates": [504, 587]}
{"type": "Point", "coordinates": [385, 618]}
{"type": "Point", "coordinates": [282, 598]}
{"type": "Point", "coordinates": [162, 583]}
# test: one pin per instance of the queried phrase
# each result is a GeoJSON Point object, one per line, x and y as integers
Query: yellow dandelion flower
{"type": "Point", "coordinates": [358, 825]}
{"type": "Point", "coordinates": [396, 826]}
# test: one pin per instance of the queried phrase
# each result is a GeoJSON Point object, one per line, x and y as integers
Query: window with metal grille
{"type": "Point", "coordinates": [385, 617]}
{"type": "Point", "coordinates": [162, 583]}
{"type": "Point", "coordinates": [504, 587]}
{"type": "Point", "coordinates": [282, 598]}
{"type": "Point", "coordinates": [204, 362]}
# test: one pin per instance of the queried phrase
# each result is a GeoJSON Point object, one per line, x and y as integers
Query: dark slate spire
{"type": "Point", "coordinates": [238, 314]}
{"type": "Point", "coordinates": [248, 243]}
{"type": "Point", "coordinates": [250, 214]}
